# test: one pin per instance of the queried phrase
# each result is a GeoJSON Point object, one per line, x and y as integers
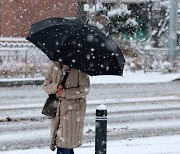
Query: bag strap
{"type": "Point", "coordinates": [62, 83]}
{"type": "Point", "coordinates": [65, 77]}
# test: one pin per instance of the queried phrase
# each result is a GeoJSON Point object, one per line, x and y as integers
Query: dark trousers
{"type": "Point", "coordinates": [64, 151]}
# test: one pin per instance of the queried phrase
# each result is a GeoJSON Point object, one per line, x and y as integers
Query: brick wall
{"type": "Point", "coordinates": [16, 16]}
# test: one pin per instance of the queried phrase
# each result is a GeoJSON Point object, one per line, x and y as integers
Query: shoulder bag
{"type": "Point", "coordinates": [50, 106]}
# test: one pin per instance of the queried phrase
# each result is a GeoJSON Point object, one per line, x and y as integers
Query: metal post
{"type": "Point", "coordinates": [172, 30]}
{"type": "Point", "coordinates": [101, 130]}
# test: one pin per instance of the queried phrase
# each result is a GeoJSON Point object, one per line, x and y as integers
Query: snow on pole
{"type": "Point", "coordinates": [101, 130]}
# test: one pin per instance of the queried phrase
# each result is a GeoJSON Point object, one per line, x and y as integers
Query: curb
{"type": "Point", "coordinates": [21, 83]}
{"type": "Point", "coordinates": [178, 79]}
{"type": "Point", "coordinates": [18, 83]}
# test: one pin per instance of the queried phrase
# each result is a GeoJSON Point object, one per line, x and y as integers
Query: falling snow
{"type": "Point", "coordinates": [142, 32]}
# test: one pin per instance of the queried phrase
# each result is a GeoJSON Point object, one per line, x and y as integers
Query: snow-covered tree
{"type": "Point", "coordinates": [118, 19]}
{"type": "Point", "coordinates": [158, 23]}
{"type": "Point", "coordinates": [125, 22]}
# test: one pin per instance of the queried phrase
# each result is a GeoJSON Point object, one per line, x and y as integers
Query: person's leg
{"type": "Point", "coordinates": [64, 151]}
{"type": "Point", "coordinates": [71, 151]}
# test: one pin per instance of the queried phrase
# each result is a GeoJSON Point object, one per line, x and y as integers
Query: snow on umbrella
{"type": "Point", "coordinates": [77, 45]}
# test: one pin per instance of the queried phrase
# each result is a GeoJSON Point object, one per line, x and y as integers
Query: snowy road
{"type": "Point", "coordinates": [134, 111]}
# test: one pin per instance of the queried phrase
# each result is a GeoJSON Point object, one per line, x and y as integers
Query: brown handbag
{"type": "Point", "coordinates": [51, 103]}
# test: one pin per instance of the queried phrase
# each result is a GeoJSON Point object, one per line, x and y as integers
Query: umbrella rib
{"type": "Point", "coordinates": [119, 59]}
{"type": "Point", "coordinates": [68, 36]}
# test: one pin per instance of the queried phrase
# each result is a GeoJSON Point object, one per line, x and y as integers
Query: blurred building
{"type": "Point", "coordinates": [16, 16]}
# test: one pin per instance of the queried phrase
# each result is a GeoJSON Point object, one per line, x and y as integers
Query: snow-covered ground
{"type": "Point", "coordinates": [147, 145]}
{"type": "Point", "coordinates": [151, 145]}
{"type": "Point", "coordinates": [137, 77]}
{"type": "Point", "coordinates": [128, 77]}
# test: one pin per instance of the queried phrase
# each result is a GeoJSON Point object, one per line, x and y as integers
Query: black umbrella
{"type": "Point", "coordinates": [77, 45]}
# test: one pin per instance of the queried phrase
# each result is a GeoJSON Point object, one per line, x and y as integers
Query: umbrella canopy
{"type": "Point", "coordinates": [77, 45]}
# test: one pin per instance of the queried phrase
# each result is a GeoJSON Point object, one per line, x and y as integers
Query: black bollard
{"type": "Point", "coordinates": [101, 130]}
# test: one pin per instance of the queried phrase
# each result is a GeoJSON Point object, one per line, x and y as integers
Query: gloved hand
{"type": "Point", "coordinates": [52, 147]}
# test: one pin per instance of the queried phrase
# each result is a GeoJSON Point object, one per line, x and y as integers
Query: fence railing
{"type": "Point", "coordinates": [153, 58]}
{"type": "Point", "coordinates": [20, 58]}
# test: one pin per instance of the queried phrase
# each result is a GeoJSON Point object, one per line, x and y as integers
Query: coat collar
{"type": "Point", "coordinates": [63, 68]}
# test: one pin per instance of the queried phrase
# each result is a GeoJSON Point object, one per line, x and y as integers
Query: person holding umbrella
{"type": "Point", "coordinates": [67, 125]}
{"type": "Point", "coordinates": [87, 51]}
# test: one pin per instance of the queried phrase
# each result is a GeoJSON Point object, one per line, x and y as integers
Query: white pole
{"type": "Point", "coordinates": [172, 30]}
{"type": "Point", "coordinates": [95, 10]}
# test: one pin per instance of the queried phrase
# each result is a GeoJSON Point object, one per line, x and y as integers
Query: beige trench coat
{"type": "Point", "coordinates": [71, 111]}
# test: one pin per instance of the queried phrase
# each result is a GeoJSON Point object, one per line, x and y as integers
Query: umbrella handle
{"type": "Point", "coordinates": [87, 22]}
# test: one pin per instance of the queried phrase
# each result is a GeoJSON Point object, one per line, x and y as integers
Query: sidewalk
{"type": "Point", "coordinates": [129, 77]}
{"type": "Point", "coordinates": [13, 82]}
{"type": "Point", "coordinates": [151, 145]}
